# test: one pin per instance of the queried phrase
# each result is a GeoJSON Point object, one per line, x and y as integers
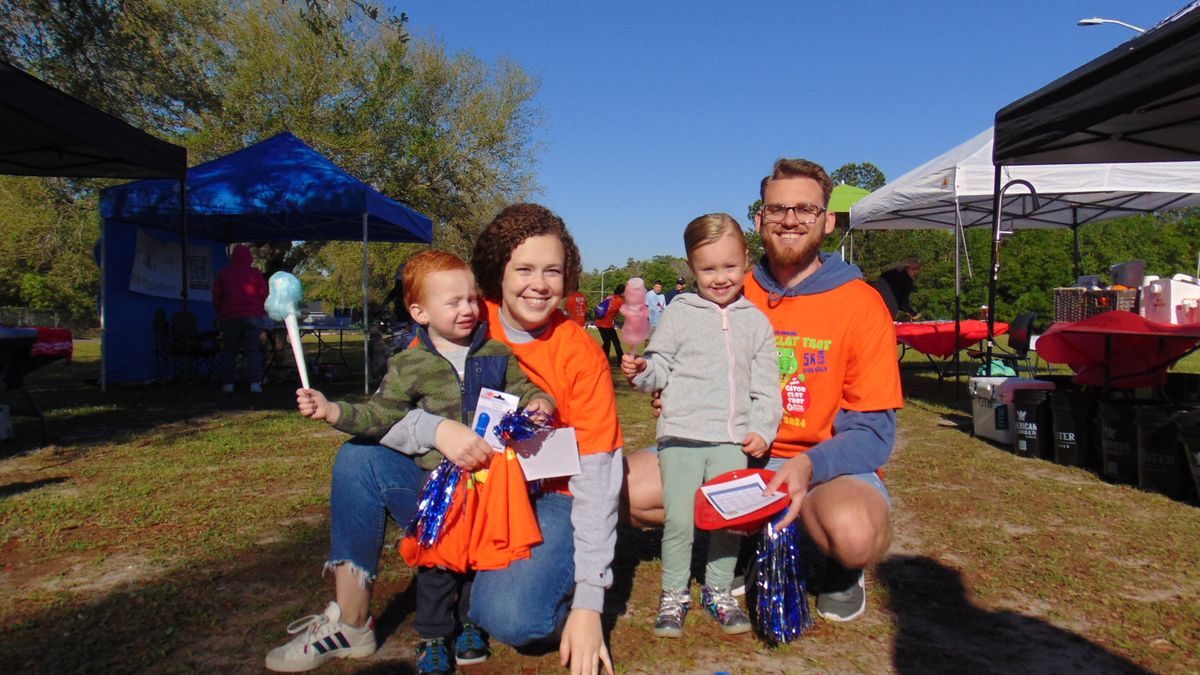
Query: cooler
{"type": "Point", "coordinates": [1162, 297]}
{"type": "Point", "coordinates": [992, 405]}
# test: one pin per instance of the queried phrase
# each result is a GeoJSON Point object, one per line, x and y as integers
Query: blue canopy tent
{"type": "Point", "coordinates": [277, 190]}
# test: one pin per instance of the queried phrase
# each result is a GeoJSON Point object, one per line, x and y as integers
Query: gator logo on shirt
{"type": "Point", "coordinates": [799, 357]}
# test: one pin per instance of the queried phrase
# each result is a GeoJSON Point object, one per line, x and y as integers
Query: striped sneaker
{"type": "Point", "coordinates": [321, 637]}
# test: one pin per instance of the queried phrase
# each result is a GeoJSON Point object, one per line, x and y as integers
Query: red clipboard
{"type": "Point", "coordinates": [708, 518]}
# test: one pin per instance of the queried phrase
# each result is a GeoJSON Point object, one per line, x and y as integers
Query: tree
{"type": "Point", "coordinates": [141, 60]}
{"type": "Point", "coordinates": [865, 175]}
{"type": "Point", "coordinates": [448, 134]}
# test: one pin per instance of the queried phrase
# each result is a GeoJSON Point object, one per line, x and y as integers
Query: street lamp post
{"type": "Point", "coordinates": [1096, 21]}
{"type": "Point", "coordinates": [610, 268]}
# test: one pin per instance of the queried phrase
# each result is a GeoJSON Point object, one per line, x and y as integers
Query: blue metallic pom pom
{"type": "Point", "coordinates": [432, 504]}
{"type": "Point", "coordinates": [518, 425]}
{"type": "Point", "coordinates": [782, 604]}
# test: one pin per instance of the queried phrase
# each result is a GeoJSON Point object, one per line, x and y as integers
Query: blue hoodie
{"type": "Point", "coordinates": [862, 441]}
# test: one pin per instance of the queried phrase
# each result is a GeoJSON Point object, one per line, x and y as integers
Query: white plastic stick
{"type": "Point", "coordinates": [293, 329]}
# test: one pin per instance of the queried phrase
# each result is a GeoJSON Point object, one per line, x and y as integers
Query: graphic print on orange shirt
{"type": "Point", "coordinates": [799, 357]}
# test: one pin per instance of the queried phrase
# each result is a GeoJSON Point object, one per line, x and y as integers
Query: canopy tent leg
{"type": "Point", "coordinates": [997, 198]}
{"type": "Point", "coordinates": [1078, 253]}
{"type": "Point", "coordinates": [103, 306]}
{"type": "Point", "coordinates": [366, 313]}
{"type": "Point", "coordinates": [958, 236]}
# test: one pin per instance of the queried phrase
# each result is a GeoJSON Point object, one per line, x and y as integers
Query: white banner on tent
{"type": "Point", "coordinates": [156, 269]}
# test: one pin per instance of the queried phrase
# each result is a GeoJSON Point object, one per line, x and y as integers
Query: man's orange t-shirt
{"type": "Point", "coordinates": [837, 351]}
{"type": "Point", "coordinates": [577, 307]}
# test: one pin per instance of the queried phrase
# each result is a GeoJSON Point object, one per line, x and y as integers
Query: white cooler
{"type": "Point", "coordinates": [1161, 298]}
{"type": "Point", "coordinates": [992, 405]}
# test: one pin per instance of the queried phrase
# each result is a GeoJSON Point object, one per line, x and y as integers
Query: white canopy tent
{"type": "Point", "coordinates": [957, 189]}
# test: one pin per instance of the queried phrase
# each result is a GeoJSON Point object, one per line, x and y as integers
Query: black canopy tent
{"type": "Point", "coordinates": [44, 132]}
{"type": "Point", "coordinates": [1139, 102]}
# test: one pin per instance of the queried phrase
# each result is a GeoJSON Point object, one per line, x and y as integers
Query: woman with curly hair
{"type": "Point", "coordinates": [525, 261]}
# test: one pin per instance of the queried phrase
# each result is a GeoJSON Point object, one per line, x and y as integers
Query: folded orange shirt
{"type": "Point", "coordinates": [489, 523]}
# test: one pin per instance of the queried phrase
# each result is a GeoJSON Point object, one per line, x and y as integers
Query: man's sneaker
{"type": "Point", "coordinates": [227, 389]}
{"type": "Point", "coordinates": [255, 388]}
{"type": "Point", "coordinates": [672, 609]}
{"type": "Point", "coordinates": [724, 608]}
{"type": "Point", "coordinates": [738, 587]}
{"type": "Point", "coordinates": [321, 637]}
{"type": "Point", "coordinates": [847, 604]}
{"type": "Point", "coordinates": [433, 658]}
{"type": "Point", "coordinates": [471, 646]}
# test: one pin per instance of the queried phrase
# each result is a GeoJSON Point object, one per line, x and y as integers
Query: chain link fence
{"type": "Point", "coordinates": [26, 316]}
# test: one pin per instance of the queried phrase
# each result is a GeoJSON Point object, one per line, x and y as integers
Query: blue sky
{"type": "Point", "coordinates": [657, 112]}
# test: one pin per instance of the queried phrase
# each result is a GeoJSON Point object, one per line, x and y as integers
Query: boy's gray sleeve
{"type": "Point", "coordinates": [659, 355]}
{"type": "Point", "coordinates": [597, 492]}
{"type": "Point", "coordinates": [766, 410]}
{"type": "Point", "coordinates": [415, 434]}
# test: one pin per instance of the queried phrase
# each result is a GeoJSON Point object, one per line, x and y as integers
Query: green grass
{"type": "Point", "coordinates": [177, 530]}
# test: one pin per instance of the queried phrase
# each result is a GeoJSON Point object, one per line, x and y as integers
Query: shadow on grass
{"type": "Point", "coordinates": [216, 616]}
{"type": "Point", "coordinates": [13, 489]}
{"type": "Point", "coordinates": [81, 416]}
{"type": "Point", "coordinates": [941, 631]}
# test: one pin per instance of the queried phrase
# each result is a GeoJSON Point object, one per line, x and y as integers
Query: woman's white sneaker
{"type": "Point", "coordinates": [321, 637]}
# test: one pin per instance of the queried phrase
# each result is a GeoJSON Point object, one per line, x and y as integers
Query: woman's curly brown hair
{"type": "Point", "coordinates": [510, 229]}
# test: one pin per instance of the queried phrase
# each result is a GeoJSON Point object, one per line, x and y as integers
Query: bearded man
{"type": "Point", "coordinates": [839, 388]}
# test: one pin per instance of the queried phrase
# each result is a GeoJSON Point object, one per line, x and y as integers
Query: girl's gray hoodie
{"type": "Point", "coordinates": [718, 370]}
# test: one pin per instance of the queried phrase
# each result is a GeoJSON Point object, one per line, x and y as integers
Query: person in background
{"type": "Point", "coordinates": [576, 308]}
{"type": "Point", "coordinates": [403, 326]}
{"type": "Point", "coordinates": [839, 388]}
{"type": "Point", "coordinates": [657, 302]}
{"type": "Point", "coordinates": [715, 362]}
{"type": "Point", "coordinates": [896, 285]}
{"type": "Point", "coordinates": [608, 330]}
{"type": "Point", "coordinates": [680, 287]}
{"type": "Point", "coordinates": [239, 294]}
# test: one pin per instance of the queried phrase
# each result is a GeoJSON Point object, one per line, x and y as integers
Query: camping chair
{"type": "Point", "coordinates": [1020, 340]}
{"type": "Point", "coordinates": [182, 349]}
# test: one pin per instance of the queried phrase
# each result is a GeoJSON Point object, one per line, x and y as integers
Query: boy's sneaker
{"type": "Point", "coordinates": [724, 608]}
{"type": "Point", "coordinates": [672, 609]}
{"type": "Point", "coordinates": [227, 389]}
{"type": "Point", "coordinates": [471, 646]}
{"type": "Point", "coordinates": [255, 388]}
{"type": "Point", "coordinates": [322, 637]}
{"type": "Point", "coordinates": [433, 658]}
{"type": "Point", "coordinates": [847, 604]}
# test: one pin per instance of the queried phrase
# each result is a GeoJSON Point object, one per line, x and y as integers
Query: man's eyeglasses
{"type": "Point", "coordinates": [805, 213]}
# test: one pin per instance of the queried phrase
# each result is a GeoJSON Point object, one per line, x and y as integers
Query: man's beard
{"type": "Point", "coordinates": [793, 257]}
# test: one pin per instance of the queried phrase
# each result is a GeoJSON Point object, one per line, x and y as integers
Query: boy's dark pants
{"type": "Point", "coordinates": [437, 592]}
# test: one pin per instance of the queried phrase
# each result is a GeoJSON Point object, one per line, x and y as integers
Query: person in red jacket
{"type": "Point", "coordinates": [238, 296]}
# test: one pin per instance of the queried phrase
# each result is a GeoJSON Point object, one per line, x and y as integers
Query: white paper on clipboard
{"type": "Point", "coordinates": [490, 407]}
{"type": "Point", "coordinates": [735, 498]}
{"type": "Point", "coordinates": [550, 454]}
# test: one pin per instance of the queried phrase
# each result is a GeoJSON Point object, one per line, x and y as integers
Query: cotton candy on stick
{"type": "Point", "coordinates": [636, 313]}
{"type": "Point", "coordinates": [283, 305]}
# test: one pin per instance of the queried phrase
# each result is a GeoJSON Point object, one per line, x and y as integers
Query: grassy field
{"type": "Point", "coordinates": [167, 529]}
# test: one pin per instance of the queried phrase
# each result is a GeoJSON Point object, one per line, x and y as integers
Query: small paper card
{"type": "Point", "coordinates": [489, 409]}
{"type": "Point", "coordinates": [736, 498]}
{"type": "Point", "coordinates": [550, 454]}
